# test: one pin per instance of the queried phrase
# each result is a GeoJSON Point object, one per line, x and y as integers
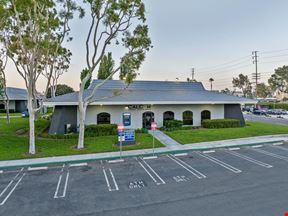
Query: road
{"type": "Point", "coordinates": [269, 120]}
{"type": "Point", "coordinates": [234, 182]}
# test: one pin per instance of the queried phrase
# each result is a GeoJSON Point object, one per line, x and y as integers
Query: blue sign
{"type": "Point", "coordinates": [126, 137]}
{"type": "Point", "coordinates": [129, 135]}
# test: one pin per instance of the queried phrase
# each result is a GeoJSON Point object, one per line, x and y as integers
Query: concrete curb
{"type": "Point", "coordinates": [94, 157]}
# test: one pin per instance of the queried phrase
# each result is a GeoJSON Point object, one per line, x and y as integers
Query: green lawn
{"type": "Point", "coordinates": [206, 135]}
{"type": "Point", "coordinates": [11, 114]}
{"type": "Point", "coordinates": [13, 146]}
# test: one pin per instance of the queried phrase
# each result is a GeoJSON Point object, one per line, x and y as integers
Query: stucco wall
{"type": "Point", "coordinates": [217, 112]}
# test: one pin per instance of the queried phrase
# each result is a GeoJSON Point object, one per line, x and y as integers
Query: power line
{"type": "Point", "coordinates": [273, 51]}
{"type": "Point", "coordinates": [226, 63]}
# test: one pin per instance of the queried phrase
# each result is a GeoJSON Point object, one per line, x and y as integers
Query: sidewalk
{"type": "Point", "coordinates": [147, 152]}
{"type": "Point", "coordinates": [164, 139]}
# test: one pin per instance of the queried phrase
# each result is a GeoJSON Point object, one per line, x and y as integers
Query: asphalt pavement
{"type": "Point", "coordinates": [264, 119]}
{"type": "Point", "coordinates": [246, 181]}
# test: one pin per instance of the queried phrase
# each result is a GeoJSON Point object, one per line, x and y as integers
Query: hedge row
{"type": "Point", "coordinates": [221, 123]}
{"type": "Point", "coordinates": [4, 111]}
{"type": "Point", "coordinates": [171, 125]}
{"type": "Point", "coordinates": [101, 130]}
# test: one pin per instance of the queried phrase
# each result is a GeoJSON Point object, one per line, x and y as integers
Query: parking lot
{"type": "Point", "coordinates": [246, 181]}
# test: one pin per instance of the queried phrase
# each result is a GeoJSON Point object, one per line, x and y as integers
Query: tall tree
{"type": "Point", "coordinates": [34, 33]}
{"type": "Point", "coordinates": [111, 25]}
{"type": "Point", "coordinates": [243, 83]}
{"type": "Point", "coordinates": [263, 90]}
{"type": "Point", "coordinates": [106, 67]}
{"type": "Point", "coordinates": [211, 80]}
{"type": "Point", "coordinates": [61, 89]}
{"type": "Point", "coordinates": [279, 80]}
{"type": "Point", "coordinates": [85, 72]}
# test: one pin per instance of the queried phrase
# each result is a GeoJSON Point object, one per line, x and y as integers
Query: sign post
{"type": "Point", "coordinates": [154, 128]}
{"type": "Point", "coordinates": [120, 137]}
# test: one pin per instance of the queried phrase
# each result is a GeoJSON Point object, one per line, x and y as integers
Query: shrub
{"type": "Point", "coordinates": [141, 130]}
{"type": "Point", "coordinates": [221, 123]}
{"type": "Point", "coordinates": [171, 125]}
{"type": "Point", "coordinates": [4, 111]}
{"type": "Point", "coordinates": [101, 130]}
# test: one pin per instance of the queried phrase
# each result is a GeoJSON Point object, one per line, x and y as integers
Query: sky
{"type": "Point", "coordinates": [216, 37]}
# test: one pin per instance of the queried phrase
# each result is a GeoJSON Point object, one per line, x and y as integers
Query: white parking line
{"type": "Point", "coordinates": [257, 146]}
{"type": "Point", "coordinates": [250, 159]}
{"type": "Point", "coordinates": [187, 167]}
{"type": "Point", "coordinates": [150, 158]}
{"type": "Point", "coordinates": [56, 195]}
{"type": "Point", "coordinates": [151, 172]}
{"type": "Point", "coordinates": [234, 149]}
{"type": "Point", "coordinates": [116, 161]}
{"type": "Point", "coordinates": [277, 144]}
{"type": "Point", "coordinates": [221, 163]}
{"type": "Point", "coordinates": [116, 188]}
{"type": "Point", "coordinates": [272, 154]}
{"type": "Point", "coordinates": [180, 154]}
{"type": "Point", "coordinates": [78, 165]}
{"type": "Point", "coordinates": [208, 152]}
{"type": "Point", "coordinates": [13, 181]}
{"type": "Point", "coordinates": [280, 147]}
{"type": "Point", "coordinates": [37, 168]}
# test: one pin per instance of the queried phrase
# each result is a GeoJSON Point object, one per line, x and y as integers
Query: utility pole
{"type": "Point", "coordinates": [193, 74]}
{"type": "Point", "coordinates": [256, 75]}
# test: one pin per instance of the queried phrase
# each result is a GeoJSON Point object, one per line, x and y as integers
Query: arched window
{"type": "Point", "coordinates": [188, 118]}
{"type": "Point", "coordinates": [168, 116]}
{"type": "Point", "coordinates": [205, 115]}
{"type": "Point", "coordinates": [103, 118]}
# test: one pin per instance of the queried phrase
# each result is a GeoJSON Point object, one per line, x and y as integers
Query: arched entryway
{"type": "Point", "coordinates": [148, 118]}
{"type": "Point", "coordinates": [103, 118]}
{"type": "Point", "coordinates": [205, 115]}
{"type": "Point", "coordinates": [187, 117]}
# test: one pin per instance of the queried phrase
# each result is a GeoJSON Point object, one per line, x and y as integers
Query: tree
{"type": "Point", "coordinates": [211, 80]}
{"type": "Point", "coordinates": [263, 90]}
{"type": "Point", "coordinates": [61, 90]}
{"type": "Point", "coordinates": [34, 34]}
{"type": "Point", "coordinates": [243, 83]}
{"type": "Point", "coordinates": [106, 67]}
{"type": "Point", "coordinates": [53, 71]}
{"type": "Point", "coordinates": [227, 91]}
{"type": "Point", "coordinates": [279, 80]}
{"type": "Point", "coordinates": [85, 72]}
{"type": "Point", "coordinates": [111, 25]}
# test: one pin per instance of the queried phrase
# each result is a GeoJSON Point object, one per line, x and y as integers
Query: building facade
{"type": "Point", "coordinates": [144, 102]}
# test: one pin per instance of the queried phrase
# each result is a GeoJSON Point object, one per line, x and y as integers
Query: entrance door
{"type": "Point", "coordinates": [148, 118]}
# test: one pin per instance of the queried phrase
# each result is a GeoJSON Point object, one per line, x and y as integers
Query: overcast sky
{"type": "Point", "coordinates": [216, 37]}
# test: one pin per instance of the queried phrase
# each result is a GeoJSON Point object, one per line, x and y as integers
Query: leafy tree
{"type": "Point", "coordinates": [61, 89]}
{"type": "Point", "coordinates": [33, 36]}
{"type": "Point", "coordinates": [84, 73]}
{"type": "Point", "coordinates": [263, 90]}
{"type": "Point", "coordinates": [279, 80]}
{"type": "Point", "coordinates": [106, 67]}
{"type": "Point", "coordinates": [227, 91]}
{"type": "Point", "coordinates": [243, 83]}
{"type": "Point", "coordinates": [111, 25]}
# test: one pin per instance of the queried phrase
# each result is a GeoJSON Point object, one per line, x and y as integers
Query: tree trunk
{"type": "Point", "coordinates": [82, 115]}
{"type": "Point", "coordinates": [31, 124]}
{"type": "Point", "coordinates": [7, 112]}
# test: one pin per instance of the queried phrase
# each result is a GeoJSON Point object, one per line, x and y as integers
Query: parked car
{"type": "Point", "coordinates": [260, 112]}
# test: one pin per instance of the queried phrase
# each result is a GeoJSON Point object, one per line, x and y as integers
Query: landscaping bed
{"type": "Point", "coordinates": [15, 145]}
{"type": "Point", "coordinates": [252, 129]}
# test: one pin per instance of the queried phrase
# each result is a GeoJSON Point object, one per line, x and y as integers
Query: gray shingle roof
{"type": "Point", "coordinates": [147, 92]}
{"type": "Point", "coordinates": [16, 93]}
